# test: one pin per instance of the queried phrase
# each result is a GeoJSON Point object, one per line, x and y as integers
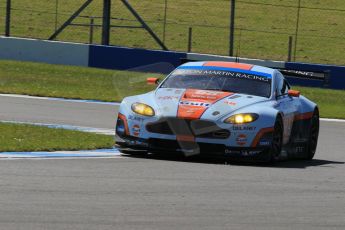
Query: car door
{"type": "Point", "coordinates": [287, 105]}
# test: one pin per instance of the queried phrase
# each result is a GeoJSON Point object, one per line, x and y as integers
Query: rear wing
{"type": "Point", "coordinates": [322, 77]}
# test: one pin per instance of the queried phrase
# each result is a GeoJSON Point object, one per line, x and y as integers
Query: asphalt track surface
{"type": "Point", "coordinates": [165, 192]}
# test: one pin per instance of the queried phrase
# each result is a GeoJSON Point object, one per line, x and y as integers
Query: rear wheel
{"type": "Point", "coordinates": [277, 140]}
{"type": "Point", "coordinates": [313, 136]}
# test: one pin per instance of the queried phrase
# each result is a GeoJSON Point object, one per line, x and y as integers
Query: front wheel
{"type": "Point", "coordinates": [313, 136]}
{"type": "Point", "coordinates": [277, 140]}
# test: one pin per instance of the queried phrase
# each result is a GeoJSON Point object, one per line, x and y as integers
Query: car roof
{"type": "Point", "coordinates": [231, 66]}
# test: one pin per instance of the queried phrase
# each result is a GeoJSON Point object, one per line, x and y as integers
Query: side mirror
{"type": "Point", "coordinates": [152, 81]}
{"type": "Point", "coordinates": [294, 93]}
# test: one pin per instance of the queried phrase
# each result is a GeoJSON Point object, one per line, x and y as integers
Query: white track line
{"type": "Point", "coordinates": [91, 154]}
{"type": "Point", "coordinates": [109, 132]}
{"type": "Point", "coordinates": [59, 158]}
{"type": "Point", "coordinates": [332, 120]}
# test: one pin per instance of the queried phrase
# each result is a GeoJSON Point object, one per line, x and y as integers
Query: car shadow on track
{"type": "Point", "coordinates": [307, 163]}
{"type": "Point", "coordinates": [223, 161]}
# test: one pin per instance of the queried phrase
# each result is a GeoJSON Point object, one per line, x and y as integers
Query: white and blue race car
{"type": "Point", "coordinates": [236, 110]}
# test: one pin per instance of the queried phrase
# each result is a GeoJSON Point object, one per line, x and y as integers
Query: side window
{"type": "Point", "coordinates": [282, 85]}
{"type": "Point", "coordinates": [279, 84]}
{"type": "Point", "coordinates": [288, 85]}
{"type": "Point", "coordinates": [284, 88]}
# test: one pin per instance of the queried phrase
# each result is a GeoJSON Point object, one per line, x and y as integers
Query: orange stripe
{"type": "Point", "coordinates": [187, 138]}
{"type": "Point", "coordinates": [303, 116]}
{"type": "Point", "coordinates": [190, 112]}
{"type": "Point", "coordinates": [124, 119]}
{"type": "Point", "coordinates": [260, 134]}
{"type": "Point", "coordinates": [234, 65]}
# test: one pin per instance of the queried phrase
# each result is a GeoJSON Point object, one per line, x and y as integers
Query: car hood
{"type": "Point", "coordinates": [201, 104]}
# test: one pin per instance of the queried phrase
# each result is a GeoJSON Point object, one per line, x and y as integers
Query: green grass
{"type": "Point", "coordinates": [331, 102]}
{"type": "Point", "coordinates": [107, 85]}
{"type": "Point", "coordinates": [70, 82]}
{"type": "Point", "coordinates": [262, 31]}
{"type": "Point", "coordinates": [26, 138]}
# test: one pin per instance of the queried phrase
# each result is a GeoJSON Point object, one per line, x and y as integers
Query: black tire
{"type": "Point", "coordinates": [313, 135]}
{"type": "Point", "coordinates": [277, 140]}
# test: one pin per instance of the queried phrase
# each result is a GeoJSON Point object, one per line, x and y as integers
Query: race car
{"type": "Point", "coordinates": [229, 109]}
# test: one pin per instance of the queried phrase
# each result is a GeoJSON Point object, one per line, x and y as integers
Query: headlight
{"type": "Point", "coordinates": [143, 109]}
{"type": "Point", "coordinates": [242, 118]}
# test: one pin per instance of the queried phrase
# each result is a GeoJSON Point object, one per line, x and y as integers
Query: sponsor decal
{"type": "Point", "coordinates": [136, 130]}
{"type": "Point", "coordinates": [243, 128]}
{"type": "Point", "coordinates": [230, 151]}
{"type": "Point", "coordinates": [241, 139]}
{"type": "Point", "coordinates": [135, 118]}
{"type": "Point", "coordinates": [168, 98]}
{"type": "Point", "coordinates": [120, 128]}
{"type": "Point", "coordinates": [136, 142]}
{"type": "Point", "coordinates": [205, 95]}
{"type": "Point", "coordinates": [248, 75]}
{"type": "Point", "coordinates": [304, 74]}
{"type": "Point", "coordinates": [242, 152]}
{"type": "Point", "coordinates": [300, 149]}
{"type": "Point", "coordinates": [207, 92]}
{"type": "Point", "coordinates": [191, 111]}
{"type": "Point", "coordinates": [231, 103]}
{"type": "Point", "coordinates": [249, 152]}
{"type": "Point", "coordinates": [265, 143]}
{"type": "Point", "coordinates": [194, 103]}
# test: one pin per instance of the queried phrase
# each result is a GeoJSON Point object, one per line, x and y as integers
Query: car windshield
{"type": "Point", "coordinates": [229, 81]}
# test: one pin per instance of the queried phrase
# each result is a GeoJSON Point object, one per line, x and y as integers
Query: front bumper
{"type": "Point", "coordinates": [192, 137]}
{"type": "Point", "coordinates": [154, 145]}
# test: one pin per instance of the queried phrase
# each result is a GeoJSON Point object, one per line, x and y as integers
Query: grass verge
{"type": "Point", "coordinates": [70, 82]}
{"type": "Point", "coordinates": [29, 138]}
{"type": "Point", "coordinates": [108, 85]}
{"type": "Point", "coordinates": [331, 102]}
